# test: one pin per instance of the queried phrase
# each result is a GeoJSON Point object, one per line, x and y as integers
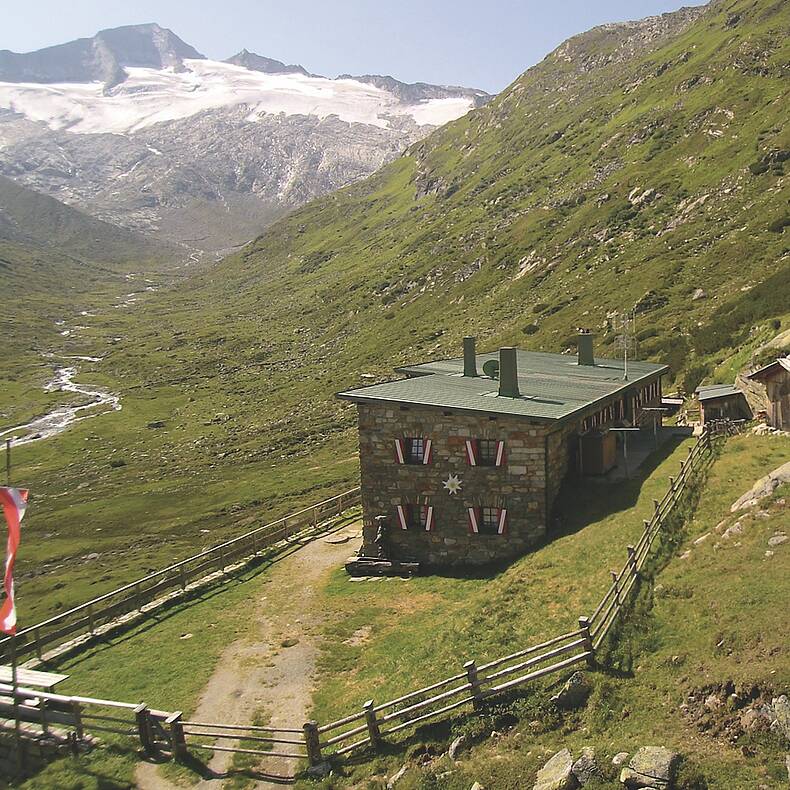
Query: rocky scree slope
{"type": "Point", "coordinates": [140, 129]}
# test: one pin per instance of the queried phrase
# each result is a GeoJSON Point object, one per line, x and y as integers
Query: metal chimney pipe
{"type": "Point", "coordinates": [508, 373]}
{"type": "Point", "coordinates": [470, 359]}
{"type": "Point", "coordinates": [585, 346]}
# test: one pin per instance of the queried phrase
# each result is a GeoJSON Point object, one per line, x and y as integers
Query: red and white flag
{"type": "Point", "coordinates": [14, 503]}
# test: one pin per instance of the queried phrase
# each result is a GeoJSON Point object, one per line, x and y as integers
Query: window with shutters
{"type": "Point", "coordinates": [416, 516]}
{"type": "Point", "coordinates": [415, 450]}
{"type": "Point", "coordinates": [489, 520]}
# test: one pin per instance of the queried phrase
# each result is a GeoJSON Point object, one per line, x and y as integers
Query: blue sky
{"type": "Point", "coordinates": [464, 42]}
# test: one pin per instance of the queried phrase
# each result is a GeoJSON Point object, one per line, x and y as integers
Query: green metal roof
{"type": "Point", "coordinates": [553, 386]}
{"type": "Point", "coordinates": [713, 391]}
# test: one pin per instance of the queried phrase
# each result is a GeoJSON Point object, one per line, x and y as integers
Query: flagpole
{"type": "Point", "coordinates": [17, 726]}
{"type": "Point", "coordinates": [14, 679]}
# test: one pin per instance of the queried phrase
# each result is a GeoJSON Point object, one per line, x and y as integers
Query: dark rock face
{"type": "Point", "coordinates": [254, 62]}
{"type": "Point", "coordinates": [99, 58]}
{"type": "Point", "coordinates": [412, 93]}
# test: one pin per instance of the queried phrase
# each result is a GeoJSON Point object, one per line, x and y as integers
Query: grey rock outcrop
{"type": "Point", "coordinates": [651, 767]}
{"type": "Point", "coordinates": [764, 487]}
{"type": "Point", "coordinates": [574, 693]}
{"type": "Point", "coordinates": [585, 769]}
{"type": "Point", "coordinates": [557, 773]}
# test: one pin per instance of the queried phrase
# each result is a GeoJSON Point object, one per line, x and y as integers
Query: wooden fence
{"type": "Point", "coordinates": [144, 594]}
{"type": "Point", "coordinates": [370, 726]}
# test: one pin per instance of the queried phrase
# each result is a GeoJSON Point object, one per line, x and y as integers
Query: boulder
{"type": "Point", "coordinates": [651, 767]}
{"type": "Point", "coordinates": [557, 773]}
{"type": "Point", "coordinates": [698, 294]}
{"type": "Point", "coordinates": [777, 540]}
{"type": "Point", "coordinates": [780, 707]}
{"type": "Point", "coordinates": [477, 786]}
{"type": "Point", "coordinates": [574, 693]}
{"type": "Point", "coordinates": [763, 487]}
{"type": "Point", "coordinates": [619, 759]}
{"type": "Point", "coordinates": [585, 769]}
{"type": "Point", "coordinates": [456, 747]}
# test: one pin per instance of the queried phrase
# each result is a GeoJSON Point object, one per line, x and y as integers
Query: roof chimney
{"type": "Point", "coordinates": [470, 360]}
{"type": "Point", "coordinates": [585, 346]}
{"type": "Point", "coordinates": [508, 373]}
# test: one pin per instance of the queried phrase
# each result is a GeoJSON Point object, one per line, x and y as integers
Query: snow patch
{"type": "Point", "coordinates": [152, 96]}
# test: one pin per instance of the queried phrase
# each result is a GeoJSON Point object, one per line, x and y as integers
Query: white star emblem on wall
{"type": "Point", "coordinates": [453, 484]}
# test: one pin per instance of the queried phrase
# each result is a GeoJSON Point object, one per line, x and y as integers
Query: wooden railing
{"type": "Point", "coordinates": [478, 683]}
{"type": "Point", "coordinates": [374, 722]}
{"type": "Point", "coordinates": [146, 593]}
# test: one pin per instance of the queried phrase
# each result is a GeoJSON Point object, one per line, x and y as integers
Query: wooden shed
{"type": "Point", "coordinates": [775, 377]}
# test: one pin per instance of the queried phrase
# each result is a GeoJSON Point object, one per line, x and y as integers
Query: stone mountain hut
{"type": "Point", "coordinates": [463, 458]}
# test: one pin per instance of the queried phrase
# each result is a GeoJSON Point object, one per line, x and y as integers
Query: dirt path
{"type": "Point", "coordinates": [258, 675]}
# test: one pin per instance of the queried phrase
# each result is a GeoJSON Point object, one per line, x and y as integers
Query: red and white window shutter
{"type": "Point", "coordinates": [429, 518]}
{"type": "Point", "coordinates": [502, 522]}
{"type": "Point", "coordinates": [427, 451]}
{"type": "Point", "coordinates": [400, 452]}
{"type": "Point", "coordinates": [403, 516]}
{"type": "Point", "coordinates": [499, 459]}
{"type": "Point", "coordinates": [471, 452]}
{"type": "Point", "coordinates": [474, 519]}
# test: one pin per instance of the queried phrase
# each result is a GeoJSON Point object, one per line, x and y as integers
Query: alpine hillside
{"type": "Point", "coordinates": [639, 166]}
{"type": "Point", "coordinates": [140, 129]}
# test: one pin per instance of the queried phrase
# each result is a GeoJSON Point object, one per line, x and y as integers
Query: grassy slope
{"type": "Point", "coordinates": [55, 261]}
{"type": "Point", "coordinates": [242, 362]}
{"type": "Point", "coordinates": [717, 616]}
{"type": "Point", "coordinates": [423, 629]}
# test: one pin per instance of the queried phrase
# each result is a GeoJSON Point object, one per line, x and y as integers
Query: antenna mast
{"type": "Point", "coordinates": [624, 325]}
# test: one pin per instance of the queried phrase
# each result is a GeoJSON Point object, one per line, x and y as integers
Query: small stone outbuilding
{"type": "Point", "coordinates": [464, 458]}
{"type": "Point", "coordinates": [775, 377]}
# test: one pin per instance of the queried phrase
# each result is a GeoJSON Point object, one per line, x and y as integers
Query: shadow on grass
{"type": "Point", "coordinates": [137, 626]}
{"type": "Point", "coordinates": [580, 502]}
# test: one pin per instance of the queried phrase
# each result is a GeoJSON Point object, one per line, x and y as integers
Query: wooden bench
{"type": "Point", "coordinates": [31, 678]}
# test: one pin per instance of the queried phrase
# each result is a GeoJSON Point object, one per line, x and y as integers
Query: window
{"type": "Point", "coordinates": [485, 452]}
{"type": "Point", "coordinates": [416, 450]}
{"type": "Point", "coordinates": [489, 522]}
{"type": "Point", "coordinates": [413, 450]}
{"type": "Point", "coordinates": [416, 517]}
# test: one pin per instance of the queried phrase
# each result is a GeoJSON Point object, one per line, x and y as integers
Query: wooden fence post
{"type": "Point", "coordinates": [616, 587]}
{"type": "Point", "coordinates": [91, 624]}
{"type": "Point", "coordinates": [143, 718]}
{"type": "Point", "coordinates": [178, 746]}
{"type": "Point", "coordinates": [373, 725]}
{"type": "Point", "coordinates": [584, 627]}
{"type": "Point", "coordinates": [474, 683]}
{"type": "Point", "coordinates": [656, 505]}
{"type": "Point", "coordinates": [37, 637]}
{"type": "Point", "coordinates": [313, 743]}
{"type": "Point", "coordinates": [76, 712]}
{"type": "Point", "coordinates": [632, 559]}
{"type": "Point", "coordinates": [42, 706]}
{"type": "Point", "coordinates": [183, 578]}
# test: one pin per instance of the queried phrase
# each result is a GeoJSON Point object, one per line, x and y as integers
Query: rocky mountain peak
{"type": "Point", "coordinates": [255, 62]}
{"type": "Point", "coordinates": [100, 58]}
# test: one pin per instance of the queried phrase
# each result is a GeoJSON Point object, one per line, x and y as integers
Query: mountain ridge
{"type": "Point", "coordinates": [101, 57]}
{"type": "Point", "coordinates": [206, 153]}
